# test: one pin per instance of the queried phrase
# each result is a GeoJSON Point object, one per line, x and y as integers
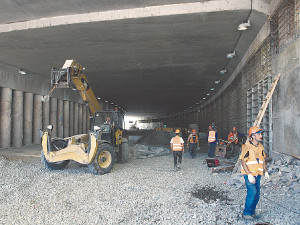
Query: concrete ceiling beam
{"type": "Point", "coordinates": [135, 13]}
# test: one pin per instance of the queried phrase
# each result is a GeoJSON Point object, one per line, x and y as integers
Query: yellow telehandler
{"type": "Point", "coordinates": [102, 146]}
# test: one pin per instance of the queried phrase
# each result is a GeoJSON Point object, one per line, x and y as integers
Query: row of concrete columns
{"type": "Point", "coordinates": [22, 114]}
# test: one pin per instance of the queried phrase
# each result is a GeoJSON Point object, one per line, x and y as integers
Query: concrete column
{"type": "Point", "coordinates": [5, 117]}
{"type": "Point", "coordinates": [53, 116]}
{"type": "Point", "coordinates": [28, 118]}
{"type": "Point", "coordinates": [84, 121]}
{"type": "Point", "coordinates": [60, 124]}
{"type": "Point", "coordinates": [80, 118]}
{"type": "Point", "coordinates": [76, 118]}
{"type": "Point", "coordinates": [46, 114]}
{"type": "Point", "coordinates": [66, 118]}
{"type": "Point", "coordinates": [71, 120]}
{"type": "Point", "coordinates": [37, 118]}
{"type": "Point", "coordinates": [17, 118]}
{"type": "Point", "coordinates": [88, 120]}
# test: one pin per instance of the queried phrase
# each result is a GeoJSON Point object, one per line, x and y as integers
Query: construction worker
{"type": "Point", "coordinates": [233, 142]}
{"type": "Point", "coordinates": [253, 167]}
{"type": "Point", "coordinates": [193, 143]}
{"type": "Point", "coordinates": [177, 147]}
{"type": "Point", "coordinates": [212, 141]}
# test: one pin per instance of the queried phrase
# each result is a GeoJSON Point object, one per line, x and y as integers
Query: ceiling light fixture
{"type": "Point", "coordinates": [223, 71]}
{"type": "Point", "coordinates": [21, 71]}
{"type": "Point", "coordinates": [208, 94]}
{"type": "Point", "coordinates": [244, 26]}
{"type": "Point", "coordinates": [112, 103]}
{"type": "Point", "coordinates": [204, 98]}
{"type": "Point", "coordinates": [230, 55]}
{"type": "Point", "coordinates": [212, 89]}
{"type": "Point", "coordinates": [98, 98]}
{"type": "Point", "coordinates": [106, 101]}
{"type": "Point", "coordinates": [217, 81]}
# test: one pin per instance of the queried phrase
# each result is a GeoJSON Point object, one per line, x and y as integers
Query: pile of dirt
{"type": "Point", "coordinates": [158, 138]}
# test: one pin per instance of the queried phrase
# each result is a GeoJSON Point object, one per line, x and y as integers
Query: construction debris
{"type": "Point", "coordinates": [144, 151]}
{"type": "Point", "coordinates": [282, 174]}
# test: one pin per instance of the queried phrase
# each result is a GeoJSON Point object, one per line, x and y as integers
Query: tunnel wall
{"type": "Point", "coordinates": [22, 113]}
{"type": "Point", "coordinates": [277, 51]}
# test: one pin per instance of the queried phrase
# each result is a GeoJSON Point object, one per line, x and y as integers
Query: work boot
{"type": "Point", "coordinates": [179, 166]}
{"type": "Point", "coordinates": [255, 216]}
{"type": "Point", "coordinates": [175, 168]}
{"type": "Point", "coordinates": [248, 217]}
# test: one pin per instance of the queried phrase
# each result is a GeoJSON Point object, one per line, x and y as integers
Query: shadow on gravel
{"type": "Point", "coordinates": [208, 194]}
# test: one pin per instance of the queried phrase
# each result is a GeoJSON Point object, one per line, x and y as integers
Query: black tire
{"type": "Point", "coordinates": [53, 166]}
{"type": "Point", "coordinates": [104, 159]}
{"type": "Point", "coordinates": [124, 151]}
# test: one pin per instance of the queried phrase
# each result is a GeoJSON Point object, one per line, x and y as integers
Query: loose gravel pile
{"type": "Point", "coordinates": [143, 191]}
{"type": "Point", "coordinates": [157, 138]}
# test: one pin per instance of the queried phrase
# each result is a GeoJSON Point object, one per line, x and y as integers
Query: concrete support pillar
{"type": "Point", "coordinates": [17, 118]}
{"type": "Point", "coordinates": [88, 120]}
{"type": "Point", "coordinates": [46, 114]}
{"type": "Point", "coordinates": [28, 118]}
{"type": "Point", "coordinates": [84, 121]}
{"type": "Point", "coordinates": [5, 117]}
{"type": "Point", "coordinates": [53, 116]}
{"type": "Point", "coordinates": [37, 118]}
{"type": "Point", "coordinates": [71, 120]}
{"type": "Point", "coordinates": [76, 122]}
{"type": "Point", "coordinates": [60, 124]}
{"type": "Point", "coordinates": [66, 118]}
{"type": "Point", "coordinates": [80, 118]}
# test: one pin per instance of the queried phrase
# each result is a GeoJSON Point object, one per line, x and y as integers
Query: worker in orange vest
{"type": "Point", "coordinates": [177, 146]}
{"type": "Point", "coordinates": [253, 167]}
{"type": "Point", "coordinates": [233, 142]}
{"type": "Point", "coordinates": [193, 143]}
{"type": "Point", "coordinates": [212, 141]}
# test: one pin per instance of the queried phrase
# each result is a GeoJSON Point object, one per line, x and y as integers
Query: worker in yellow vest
{"type": "Point", "coordinates": [212, 141]}
{"type": "Point", "coordinates": [177, 146]}
{"type": "Point", "coordinates": [193, 143]}
{"type": "Point", "coordinates": [253, 167]}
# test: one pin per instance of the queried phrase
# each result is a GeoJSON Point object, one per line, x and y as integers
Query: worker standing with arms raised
{"type": "Point", "coordinates": [177, 146]}
{"type": "Point", "coordinates": [212, 141]}
{"type": "Point", "coordinates": [253, 167]}
{"type": "Point", "coordinates": [193, 143]}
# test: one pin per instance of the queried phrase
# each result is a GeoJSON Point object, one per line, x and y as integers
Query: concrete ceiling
{"type": "Point", "coordinates": [151, 66]}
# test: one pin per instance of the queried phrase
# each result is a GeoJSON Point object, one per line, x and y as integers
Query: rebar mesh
{"type": "Point", "coordinates": [285, 25]}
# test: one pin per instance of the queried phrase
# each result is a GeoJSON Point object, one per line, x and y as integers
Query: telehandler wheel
{"type": "Point", "coordinates": [53, 166]}
{"type": "Point", "coordinates": [104, 159]}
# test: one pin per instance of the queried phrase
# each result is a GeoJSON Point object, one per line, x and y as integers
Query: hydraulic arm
{"type": "Point", "coordinates": [72, 71]}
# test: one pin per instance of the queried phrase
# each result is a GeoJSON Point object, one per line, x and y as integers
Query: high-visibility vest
{"type": "Point", "coordinates": [254, 165]}
{"type": "Point", "coordinates": [233, 136]}
{"type": "Point", "coordinates": [177, 145]}
{"type": "Point", "coordinates": [193, 137]}
{"type": "Point", "coordinates": [211, 136]}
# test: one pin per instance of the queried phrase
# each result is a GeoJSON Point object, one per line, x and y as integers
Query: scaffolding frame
{"type": "Point", "coordinates": [255, 97]}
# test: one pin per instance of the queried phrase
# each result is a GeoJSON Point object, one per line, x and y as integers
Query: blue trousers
{"type": "Point", "coordinates": [211, 149]}
{"type": "Point", "coordinates": [252, 198]}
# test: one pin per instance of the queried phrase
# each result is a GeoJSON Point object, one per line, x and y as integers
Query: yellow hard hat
{"type": "Point", "coordinates": [177, 131]}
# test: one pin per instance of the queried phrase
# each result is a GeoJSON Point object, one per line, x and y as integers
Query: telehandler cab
{"type": "Point", "coordinates": [101, 146]}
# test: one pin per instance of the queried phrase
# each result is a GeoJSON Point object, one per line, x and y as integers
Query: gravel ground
{"type": "Point", "coordinates": [143, 191]}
